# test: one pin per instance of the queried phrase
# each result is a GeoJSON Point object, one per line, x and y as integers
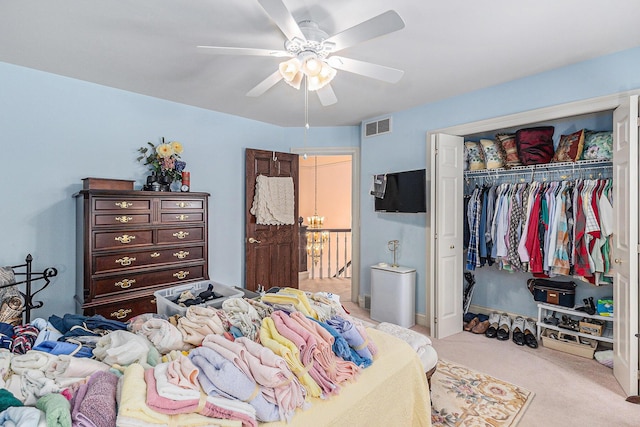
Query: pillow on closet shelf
{"type": "Point", "coordinates": [598, 145]}
{"type": "Point", "coordinates": [475, 155]}
{"type": "Point", "coordinates": [492, 153]}
{"type": "Point", "coordinates": [535, 145]}
{"type": "Point", "coordinates": [570, 147]}
{"type": "Point", "coordinates": [509, 148]}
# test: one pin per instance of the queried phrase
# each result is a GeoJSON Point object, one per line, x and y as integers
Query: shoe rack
{"type": "Point", "coordinates": [546, 310]}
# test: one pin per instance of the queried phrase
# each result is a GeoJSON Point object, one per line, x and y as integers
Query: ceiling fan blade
{"type": "Point", "coordinates": [326, 95]}
{"type": "Point", "coordinates": [368, 69]}
{"type": "Point", "coordinates": [221, 50]}
{"type": "Point", "coordinates": [377, 26]}
{"type": "Point", "coordinates": [265, 85]}
{"type": "Point", "coordinates": [283, 18]}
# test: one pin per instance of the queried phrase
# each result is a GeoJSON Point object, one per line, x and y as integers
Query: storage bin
{"type": "Point", "coordinates": [576, 348]}
{"type": "Point", "coordinates": [591, 328]}
{"type": "Point", "coordinates": [605, 307]}
{"type": "Point", "coordinates": [165, 297]}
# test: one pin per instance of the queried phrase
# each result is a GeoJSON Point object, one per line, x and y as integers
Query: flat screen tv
{"type": "Point", "coordinates": [404, 192]}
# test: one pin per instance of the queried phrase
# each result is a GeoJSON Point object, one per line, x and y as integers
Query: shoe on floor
{"type": "Point", "coordinates": [517, 330]}
{"type": "Point", "coordinates": [494, 321]}
{"type": "Point", "coordinates": [504, 327]}
{"type": "Point", "coordinates": [530, 333]}
{"type": "Point", "coordinates": [469, 326]}
{"type": "Point", "coordinates": [481, 327]}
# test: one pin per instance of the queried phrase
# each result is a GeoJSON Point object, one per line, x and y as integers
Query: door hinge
{"type": "Point", "coordinates": [435, 235]}
{"type": "Point", "coordinates": [435, 319]}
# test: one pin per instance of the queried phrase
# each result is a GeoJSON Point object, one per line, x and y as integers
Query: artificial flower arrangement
{"type": "Point", "coordinates": [163, 160]}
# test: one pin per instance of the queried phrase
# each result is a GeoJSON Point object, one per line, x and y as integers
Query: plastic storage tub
{"type": "Point", "coordinates": [165, 297]}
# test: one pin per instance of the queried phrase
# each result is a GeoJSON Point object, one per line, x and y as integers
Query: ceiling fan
{"type": "Point", "coordinates": [311, 52]}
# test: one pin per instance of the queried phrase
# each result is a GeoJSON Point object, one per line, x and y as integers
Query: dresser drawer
{"type": "Point", "coordinates": [120, 239]}
{"type": "Point", "coordinates": [181, 204]}
{"type": "Point", "coordinates": [157, 256]}
{"type": "Point", "coordinates": [135, 281]}
{"type": "Point", "coordinates": [175, 217]}
{"type": "Point", "coordinates": [181, 234]}
{"type": "Point", "coordinates": [121, 204]}
{"type": "Point", "coordinates": [122, 218]}
{"type": "Point", "coordinates": [124, 310]}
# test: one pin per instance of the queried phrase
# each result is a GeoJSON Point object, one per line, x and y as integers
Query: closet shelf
{"type": "Point", "coordinates": [543, 309]}
{"type": "Point", "coordinates": [583, 167]}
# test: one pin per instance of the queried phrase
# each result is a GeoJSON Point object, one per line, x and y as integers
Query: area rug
{"type": "Point", "coordinates": [461, 396]}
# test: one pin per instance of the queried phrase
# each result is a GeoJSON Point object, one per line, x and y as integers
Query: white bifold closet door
{"type": "Point", "coordinates": [625, 245]}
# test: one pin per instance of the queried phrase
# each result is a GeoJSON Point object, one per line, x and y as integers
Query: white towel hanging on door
{"type": "Point", "coordinates": [273, 201]}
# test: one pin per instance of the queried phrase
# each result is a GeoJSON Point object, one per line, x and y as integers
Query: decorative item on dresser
{"type": "Point", "coordinates": [132, 243]}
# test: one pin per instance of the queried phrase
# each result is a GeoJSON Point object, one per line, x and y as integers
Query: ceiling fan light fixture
{"type": "Point", "coordinates": [312, 66]}
{"type": "Point", "coordinates": [289, 69]}
{"type": "Point", "coordinates": [296, 81]}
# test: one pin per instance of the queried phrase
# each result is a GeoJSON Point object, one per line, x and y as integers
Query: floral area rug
{"type": "Point", "coordinates": [463, 397]}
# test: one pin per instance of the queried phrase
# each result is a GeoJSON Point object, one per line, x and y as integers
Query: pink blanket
{"type": "Point", "coordinates": [200, 406]}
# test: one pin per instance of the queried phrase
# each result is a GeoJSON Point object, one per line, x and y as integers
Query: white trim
{"type": "Point", "coordinates": [576, 108]}
{"type": "Point", "coordinates": [354, 152]}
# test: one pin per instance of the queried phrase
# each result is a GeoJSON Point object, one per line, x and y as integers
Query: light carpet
{"type": "Point", "coordinates": [461, 396]}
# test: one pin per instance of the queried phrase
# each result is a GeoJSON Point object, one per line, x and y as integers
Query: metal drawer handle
{"type": "Point", "coordinates": [124, 205]}
{"type": "Point", "coordinates": [183, 204]}
{"type": "Point", "coordinates": [125, 261]}
{"type": "Point", "coordinates": [181, 274]}
{"type": "Point", "coordinates": [181, 254]}
{"type": "Point", "coordinates": [181, 234]}
{"type": "Point", "coordinates": [182, 217]}
{"type": "Point", "coordinates": [125, 283]}
{"type": "Point", "coordinates": [153, 301]}
{"type": "Point", "coordinates": [125, 238]}
{"type": "Point", "coordinates": [123, 219]}
{"type": "Point", "coordinates": [155, 255]}
{"type": "Point", "coordinates": [121, 314]}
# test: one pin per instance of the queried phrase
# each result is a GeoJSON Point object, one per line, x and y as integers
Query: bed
{"type": "Point", "coordinates": [392, 391]}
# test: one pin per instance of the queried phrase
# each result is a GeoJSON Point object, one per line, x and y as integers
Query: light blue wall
{"type": "Point", "coordinates": [56, 131]}
{"type": "Point", "coordinates": [405, 149]}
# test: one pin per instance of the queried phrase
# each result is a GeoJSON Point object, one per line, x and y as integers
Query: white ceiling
{"type": "Point", "coordinates": [448, 47]}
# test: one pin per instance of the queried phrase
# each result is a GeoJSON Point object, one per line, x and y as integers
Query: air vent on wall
{"type": "Point", "coordinates": [377, 127]}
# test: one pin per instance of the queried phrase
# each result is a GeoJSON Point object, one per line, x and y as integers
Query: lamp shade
{"type": "Point", "coordinates": [289, 69]}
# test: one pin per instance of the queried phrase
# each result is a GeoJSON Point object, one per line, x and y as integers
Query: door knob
{"type": "Point", "coordinates": [252, 240]}
{"type": "Point", "coordinates": [452, 247]}
{"type": "Point", "coordinates": [617, 261]}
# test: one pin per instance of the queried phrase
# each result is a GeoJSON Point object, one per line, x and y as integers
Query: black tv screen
{"type": "Point", "coordinates": [405, 192]}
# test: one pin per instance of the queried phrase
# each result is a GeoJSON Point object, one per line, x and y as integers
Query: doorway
{"type": "Point", "coordinates": [329, 188]}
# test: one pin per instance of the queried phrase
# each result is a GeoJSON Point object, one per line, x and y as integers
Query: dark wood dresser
{"type": "Point", "coordinates": [132, 243]}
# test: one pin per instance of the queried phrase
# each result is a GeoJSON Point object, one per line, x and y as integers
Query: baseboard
{"type": "Point", "coordinates": [486, 310]}
{"type": "Point", "coordinates": [364, 301]}
{"type": "Point", "coordinates": [421, 319]}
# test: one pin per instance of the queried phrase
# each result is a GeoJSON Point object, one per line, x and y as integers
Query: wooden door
{"type": "Point", "coordinates": [447, 234]}
{"type": "Point", "coordinates": [625, 245]}
{"type": "Point", "coordinates": [271, 251]}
